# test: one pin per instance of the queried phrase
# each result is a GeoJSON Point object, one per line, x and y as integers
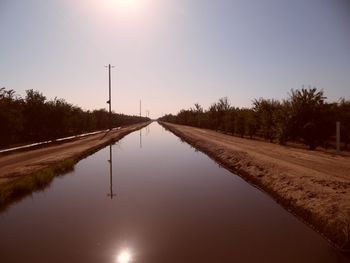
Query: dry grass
{"type": "Point", "coordinates": [16, 190]}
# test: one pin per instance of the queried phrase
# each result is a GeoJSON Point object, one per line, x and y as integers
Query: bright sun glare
{"type": "Point", "coordinates": [124, 257]}
{"type": "Point", "coordinates": [126, 3]}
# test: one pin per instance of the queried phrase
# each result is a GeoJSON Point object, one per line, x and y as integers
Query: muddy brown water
{"type": "Point", "coordinates": [165, 202]}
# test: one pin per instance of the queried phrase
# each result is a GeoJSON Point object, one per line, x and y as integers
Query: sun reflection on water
{"type": "Point", "coordinates": [124, 256]}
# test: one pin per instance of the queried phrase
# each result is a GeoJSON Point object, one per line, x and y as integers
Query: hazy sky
{"type": "Point", "coordinates": [174, 53]}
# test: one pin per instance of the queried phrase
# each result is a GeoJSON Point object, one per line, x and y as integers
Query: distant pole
{"type": "Point", "coordinates": [338, 136]}
{"type": "Point", "coordinates": [110, 98]}
{"type": "Point", "coordinates": [140, 108]}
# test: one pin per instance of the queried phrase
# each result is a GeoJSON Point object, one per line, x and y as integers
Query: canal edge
{"type": "Point", "coordinates": [25, 185]}
{"type": "Point", "coordinates": [304, 215]}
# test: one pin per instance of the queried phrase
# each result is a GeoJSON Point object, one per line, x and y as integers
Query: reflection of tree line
{"type": "Point", "coordinates": [34, 118]}
{"type": "Point", "coordinates": [305, 116]}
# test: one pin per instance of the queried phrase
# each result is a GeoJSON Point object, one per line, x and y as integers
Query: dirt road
{"type": "Point", "coordinates": [18, 164]}
{"type": "Point", "coordinates": [315, 186]}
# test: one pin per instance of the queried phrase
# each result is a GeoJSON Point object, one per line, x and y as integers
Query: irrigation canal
{"type": "Point", "coordinates": [151, 198]}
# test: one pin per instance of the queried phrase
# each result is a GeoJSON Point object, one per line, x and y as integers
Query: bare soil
{"type": "Point", "coordinates": [315, 186]}
{"type": "Point", "coordinates": [18, 164]}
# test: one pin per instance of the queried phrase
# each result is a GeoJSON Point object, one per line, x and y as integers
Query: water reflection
{"type": "Point", "coordinates": [124, 256]}
{"type": "Point", "coordinates": [141, 139]}
{"type": "Point", "coordinates": [110, 194]}
{"type": "Point", "coordinates": [147, 130]}
{"type": "Point", "coordinates": [140, 143]}
{"type": "Point", "coordinates": [172, 205]}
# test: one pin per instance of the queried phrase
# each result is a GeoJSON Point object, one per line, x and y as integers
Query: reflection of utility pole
{"type": "Point", "coordinates": [111, 194]}
{"type": "Point", "coordinates": [140, 139]}
{"type": "Point", "coordinates": [109, 100]}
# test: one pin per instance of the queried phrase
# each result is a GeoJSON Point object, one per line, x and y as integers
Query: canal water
{"type": "Point", "coordinates": [151, 198]}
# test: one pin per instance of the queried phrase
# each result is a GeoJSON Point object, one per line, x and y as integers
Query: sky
{"type": "Point", "coordinates": [173, 53]}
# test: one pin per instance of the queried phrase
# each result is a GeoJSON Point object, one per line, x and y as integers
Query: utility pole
{"type": "Point", "coordinates": [110, 99]}
{"type": "Point", "coordinates": [140, 108]}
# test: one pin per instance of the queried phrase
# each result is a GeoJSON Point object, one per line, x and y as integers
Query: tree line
{"type": "Point", "coordinates": [304, 117]}
{"type": "Point", "coordinates": [34, 118]}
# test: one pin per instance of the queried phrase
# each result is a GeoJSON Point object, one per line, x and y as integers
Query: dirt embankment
{"type": "Point", "coordinates": [19, 164]}
{"type": "Point", "coordinates": [315, 186]}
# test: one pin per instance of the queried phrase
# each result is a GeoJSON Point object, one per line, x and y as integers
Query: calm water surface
{"type": "Point", "coordinates": [165, 202]}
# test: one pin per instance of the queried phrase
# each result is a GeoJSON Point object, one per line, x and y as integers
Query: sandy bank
{"type": "Point", "coordinates": [315, 186]}
{"type": "Point", "coordinates": [19, 164]}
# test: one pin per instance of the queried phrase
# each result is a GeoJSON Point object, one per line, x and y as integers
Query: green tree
{"type": "Point", "coordinates": [11, 119]}
{"type": "Point", "coordinates": [307, 106]}
{"type": "Point", "coordinates": [266, 111]}
{"type": "Point", "coordinates": [35, 116]}
{"type": "Point", "coordinates": [343, 115]}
